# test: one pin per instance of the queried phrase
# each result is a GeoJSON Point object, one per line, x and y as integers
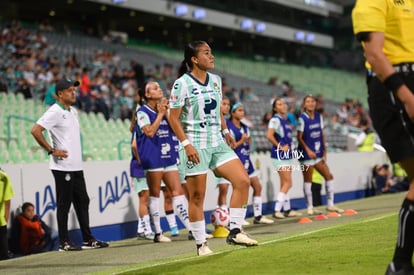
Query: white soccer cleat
{"type": "Point", "coordinates": [203, 249]}
{"type": "Point", "coordinates": [293, 213]}
{"type": "Point", "coordinates": [160, 238]}
{"type": "Point", "coordinates": [278, 215]}
{"type": "Point", "coordinates": [245, 223]}
{"type": "Point", "coordinates": [240, 238]}
{"type": "Point", "coordinates": [335, 209]}
{"type": "Point", "coordinates": [263, 220]}
{"type": "Point", "coordinates": [313, 211]}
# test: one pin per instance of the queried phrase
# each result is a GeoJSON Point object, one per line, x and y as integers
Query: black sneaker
{"type": "Point", "coordinates": [94, 244]}
{"type": "Point", "coordinates": [68, 246]}
{"type": "Point", "coordinates": [190, 236]}
{"type": "Point", "coordinates": [407, 270]}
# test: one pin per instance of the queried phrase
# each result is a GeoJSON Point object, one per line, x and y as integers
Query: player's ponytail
{"type": "Point", "coordinates": [183, 68]}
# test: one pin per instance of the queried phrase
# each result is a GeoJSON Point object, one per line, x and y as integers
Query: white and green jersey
{"type": "Point", "coordinates": [200, 103]}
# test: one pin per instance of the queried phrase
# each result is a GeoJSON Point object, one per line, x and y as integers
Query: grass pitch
{"type": "Point", "coordinates": [356, 244]}
{"type": "Point", "coordinates": [360, 247]}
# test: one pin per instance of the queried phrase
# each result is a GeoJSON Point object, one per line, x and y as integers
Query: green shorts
{"type": "Point", "coordinates": [163, 169]}
{"type": "Point", "coordinates": [181, 168]}
{"type": "Point", "coordinates": [210, 158]}
{"type": "Point", "coordinates": [277, 163]}
{"type": "Point", "coordinates": [310, 161]}
{"type": "Point", "coordinates": [140, 184]}
{"type": "Point", "coordinates": [221, 181]}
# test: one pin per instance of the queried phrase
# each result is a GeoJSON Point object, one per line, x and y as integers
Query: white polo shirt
{"type": "Point", "coordinates": [64, 131]}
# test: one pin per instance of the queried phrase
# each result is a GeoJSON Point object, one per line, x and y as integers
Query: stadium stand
{"type": "Point", "coordinates": [109, 139]}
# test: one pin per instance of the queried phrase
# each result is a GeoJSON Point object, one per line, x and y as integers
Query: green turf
{"type": "Point", "coordinates": [355, 244]}
{"type": "Point", "coordinates": [359, 247]}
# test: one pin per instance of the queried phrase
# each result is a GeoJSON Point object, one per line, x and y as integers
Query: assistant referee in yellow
{"type": "Point", "coordinates": [386, 30]}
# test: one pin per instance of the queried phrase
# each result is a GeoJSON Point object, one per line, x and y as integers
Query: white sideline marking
{"type": "Point", "coordinates": [261, 243]}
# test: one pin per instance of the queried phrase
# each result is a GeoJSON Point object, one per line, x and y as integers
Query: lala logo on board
{"type": "Point", "coordinates": [45, 203]}
{"type": "Point", "coordinates": [112, 192]}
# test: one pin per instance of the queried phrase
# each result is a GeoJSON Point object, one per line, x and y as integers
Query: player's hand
{"type": "Point", "coordinates": [284, 147]}
{"type": "Point", "coordinates": [311, 154]}
{"type": "Point", "coordinates": [245, 138]}
{"type": "Point", "coordinates": [192, 154]}
{"type": "Point", "coordinates": [230, 140]}
{"type": "Point", "coordinates": [162, 106]}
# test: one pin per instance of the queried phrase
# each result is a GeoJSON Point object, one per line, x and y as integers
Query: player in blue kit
{"type": "Point", "coordinates": [279, 133]}
{"type": "Point", "coordinates": [197, 121]}
{"type": "Point", "coordinates": [313, 154]}
{"type": "Point", "coordinates": [156, 151]}
{"type": "Point", "coordinates": [139, 180]}
{"type": "Point", "coordinates": [241, 134]}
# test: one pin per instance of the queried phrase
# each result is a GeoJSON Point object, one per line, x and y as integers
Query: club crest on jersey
{"type": "Point", "coordinates": [190, 164]}
{"type": "Point", "coordinates": [216, 86]}
{"type": "Point", "coordinates": [173, 97]}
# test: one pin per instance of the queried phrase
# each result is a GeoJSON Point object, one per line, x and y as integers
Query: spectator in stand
{"type": "Point", "coordinates": [266, 118]}
{"type": "Point", "coordinates": [71, 63]}
{"type": "Point", "coordinates": [366, 139]}
{"type": "Point", "coordinates": [273, 81]}
{"type": "Point", "coordinates": [29, 79]}
{"type": "Point", "coordinates": [50, 95]}
{"type": "Point", "coordinates": [11, 79]}
{"type": "Point", "coordinates": [291, 117]}
{"type": "Point", "coordinates": [100, 91]}
{"type": "Point", "coordinates": [342, 112]}
{"type": "Point", "coordinates": [320, 105]}
{"type": "Point", "coordinates": [84, 100]}
{"type": "Point", "coordinates": [335, 125]}
{"type": "Point", "coordinates": [139, 73]}
{"type": "Point", "coordinates": [30, 234]}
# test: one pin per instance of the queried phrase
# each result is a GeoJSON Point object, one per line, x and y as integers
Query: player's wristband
{"type": "Point", "coordinates": [225, 132]}
{"type": "Point", "coordinates": [51, 151]}
{"type": "Point", "coordinates": [185, 142]}
{"type": "Point", "coordinates": [393, 82]}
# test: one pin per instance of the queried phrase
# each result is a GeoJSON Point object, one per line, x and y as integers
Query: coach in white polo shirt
{"type": "Point", "coordinates": [61, 121]}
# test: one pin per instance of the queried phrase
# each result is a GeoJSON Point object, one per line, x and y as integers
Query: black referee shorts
{"type": "Point", "coordinates": [390, 120]}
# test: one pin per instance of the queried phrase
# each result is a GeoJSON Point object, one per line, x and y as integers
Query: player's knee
{"type": "Point", "coordinates": [242, 183]}
{"type": "Point", "coordinates": [197, 198]}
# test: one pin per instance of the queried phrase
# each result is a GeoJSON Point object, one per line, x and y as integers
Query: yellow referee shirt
{"type": "Point", "coordinates": [394, 18]}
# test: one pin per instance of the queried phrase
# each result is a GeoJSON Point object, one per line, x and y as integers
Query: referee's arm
{"type": "Point", "coordinates": [373, 45]}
